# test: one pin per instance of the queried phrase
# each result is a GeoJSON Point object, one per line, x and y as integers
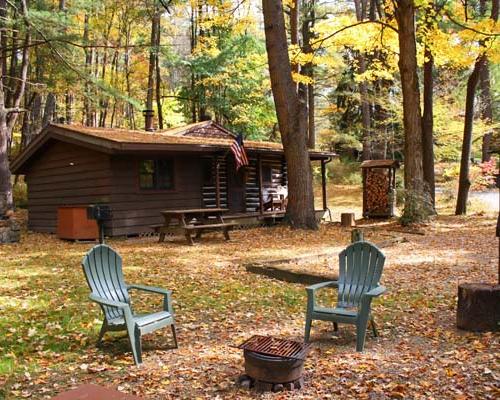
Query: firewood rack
{"type": "Point", "coordinates": [379, 188]}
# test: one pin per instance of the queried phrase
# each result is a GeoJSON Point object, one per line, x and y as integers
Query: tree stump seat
{"type": "Point", "coordinates": [478, 307]}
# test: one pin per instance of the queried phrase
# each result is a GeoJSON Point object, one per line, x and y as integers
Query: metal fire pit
{"type": "Point", "coordinates": [272, 363]}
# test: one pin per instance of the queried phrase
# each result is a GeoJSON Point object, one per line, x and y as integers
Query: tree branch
{"type": "Point", "coordinates": [463, 26]}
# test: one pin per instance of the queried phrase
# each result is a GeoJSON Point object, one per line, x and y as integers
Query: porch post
{"type": "Point", "coordinates": [259, 171]}
{"type": "Point", "coordinates": [217, 182]}
{"type": "Point", "coordinates": [323, 183]}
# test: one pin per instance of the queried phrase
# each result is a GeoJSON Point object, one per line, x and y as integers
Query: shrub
{"type": "Point", "coordinates": [20, 193]}
{"type": "Point", "coordinates": [344, 172]}
{"type": "Point", "coordinates": [417, 207]}
{"type": "Point", "coordinates": [482, 176]}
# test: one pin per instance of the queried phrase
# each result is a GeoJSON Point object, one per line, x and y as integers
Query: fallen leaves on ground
{"type": "Point", "coordinates": [48, 327]}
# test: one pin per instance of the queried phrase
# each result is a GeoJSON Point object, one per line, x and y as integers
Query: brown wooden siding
{"type": "Point", "coordinates": [65, 174]}
{"type": "Point", "coordinates": [134, 210]}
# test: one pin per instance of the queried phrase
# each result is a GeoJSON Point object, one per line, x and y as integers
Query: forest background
{"type": "Point", "coordinates": [102, 63]}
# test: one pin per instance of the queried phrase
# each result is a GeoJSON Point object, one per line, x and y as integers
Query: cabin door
{"type": "Point", "coordinates": [236, 187]}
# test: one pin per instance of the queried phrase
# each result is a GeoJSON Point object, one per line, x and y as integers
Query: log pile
{"type": "Point", "coordinates": [377, 191]}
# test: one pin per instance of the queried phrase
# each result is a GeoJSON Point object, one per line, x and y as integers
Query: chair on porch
{"type": "Point", "coordinates": [103, 270]}
{"type": "Point", "coordinates": [275, 198]}
{"type": "Point", "coordinates": [360, 268]}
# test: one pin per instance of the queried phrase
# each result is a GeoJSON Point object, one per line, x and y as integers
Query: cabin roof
{"type": "Point", "coordinates": [206, 136]}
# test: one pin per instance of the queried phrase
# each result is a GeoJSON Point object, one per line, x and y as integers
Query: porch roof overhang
{"type": "Point", "coordinates": [120, 141]}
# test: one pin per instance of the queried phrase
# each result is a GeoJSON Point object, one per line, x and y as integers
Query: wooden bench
{"type": "Point", "coordinates": [200, 228]}
{"type": "Point", "coordinates": [156, 228]}
{"type": "Point", "coordinates": [193, 220]}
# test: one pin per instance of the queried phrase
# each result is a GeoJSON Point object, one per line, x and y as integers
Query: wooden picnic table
{"type": "Point", "coordinates": [195, 220]}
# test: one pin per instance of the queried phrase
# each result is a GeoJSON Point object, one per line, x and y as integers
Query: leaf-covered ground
{"type": "Point", "coordinates": [48, 328]}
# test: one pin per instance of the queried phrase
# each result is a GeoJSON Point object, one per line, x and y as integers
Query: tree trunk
{"type": "Point", "coordinates": [3, 41]}
{"type": "Point", "coordinates": [6, 200]}
{"type": "Point", "coordinates": [412, 117]}
{"type": "Point", "coordinates": [50, 110]}
{"type": "Point", "coordinates": [129, 107]}
{"type": "Point", "coordinates": [294, 29]}
{"type": "Point", "coordinates": [361, 8]}
{"type": "Point", "coordinates": [292, 119]}
{"type": "Point", "coordinates": [158, 78]}
{"type": "Point", "coordinates": [308, 70]}
{"type": "Point", "coordinates": [8, 117]}
{"type": "Point", "coordinates": [486, 109]}
{"type": "Point", "coordinates": [87, 102]}
{"type": "Point", "coordinates": [311, 127]}
{"type": "Point", "coordinates": [428, 126]}
{"type": "Point", "coordinates": [485, 88]}
{"type": "Point", "coordinates": [151, 73]}
{"type": "Point", "coordinates": [69, 107]}
{"type": "Point", "coordinates": [463, 180]}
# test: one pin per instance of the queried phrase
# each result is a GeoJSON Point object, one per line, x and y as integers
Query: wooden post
{"type": "Point", "coordinates": [357, 236]}
{"type": "Point", "coordinates": [259, 172]}
{"type": "Point", "coordinates": [365, 213]}
{"type": "Point", "coordinates": [217, 182]}
{"type": "Point", "coordinates": [323, 184]}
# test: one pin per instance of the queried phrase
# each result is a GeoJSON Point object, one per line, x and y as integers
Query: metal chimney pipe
{"type": "Point", "coordinates": [148, 120]}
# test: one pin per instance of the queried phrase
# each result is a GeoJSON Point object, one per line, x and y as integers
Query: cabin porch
{"type": "Point", "coordinates": [259, 190]}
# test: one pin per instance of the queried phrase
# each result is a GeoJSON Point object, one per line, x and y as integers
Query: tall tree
{"type": "Point", "coordinates": [292, 118]}
{"type": "Point", "coordinates": [428, 115]}
{"type": "Point", "coordinates": [10, 112]}
{"type": "Point", "coordinates": [485, 94]}
{"type": "Point", "coordinates": [155, 32]}
{"type": "Point", "coordinates": [308, 21]}
{"type": "Point", "coordinates": [412, 116]}
{"type": "Point", "coordinates": [464, 179]}
{"type": "Point", "coordinates": [361, 10]}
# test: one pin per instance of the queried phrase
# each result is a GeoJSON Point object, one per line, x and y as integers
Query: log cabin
{"type": "Point", "coordinates": [139, 173]}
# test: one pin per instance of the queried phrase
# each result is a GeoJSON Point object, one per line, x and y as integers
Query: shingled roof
{"type": "Point", "coordinates": [206, 136]}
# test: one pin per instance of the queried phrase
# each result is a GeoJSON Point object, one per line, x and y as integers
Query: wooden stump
{"type": "Point", "coordinates": [347, 220]}
{"type": "Point", "coordinates": [478, 307]}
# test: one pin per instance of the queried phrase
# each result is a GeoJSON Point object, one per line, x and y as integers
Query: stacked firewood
{"type": "Point", "coordinates": [377, 191]}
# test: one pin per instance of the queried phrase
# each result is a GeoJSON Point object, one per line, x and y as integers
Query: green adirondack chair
{"type": "Point", "coordinates": [360, 268]}
{"type": "Point", "coordinates": [103, 269]}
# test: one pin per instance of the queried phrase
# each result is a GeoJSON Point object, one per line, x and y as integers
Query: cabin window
{"type": "Point", "coordinates": [156, 174]}
{"type": "Point", "coordinates": [267, 174]}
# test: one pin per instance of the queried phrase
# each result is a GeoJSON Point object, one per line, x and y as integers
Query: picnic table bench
{"type": "Point", "coordinates": [195, 220]}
